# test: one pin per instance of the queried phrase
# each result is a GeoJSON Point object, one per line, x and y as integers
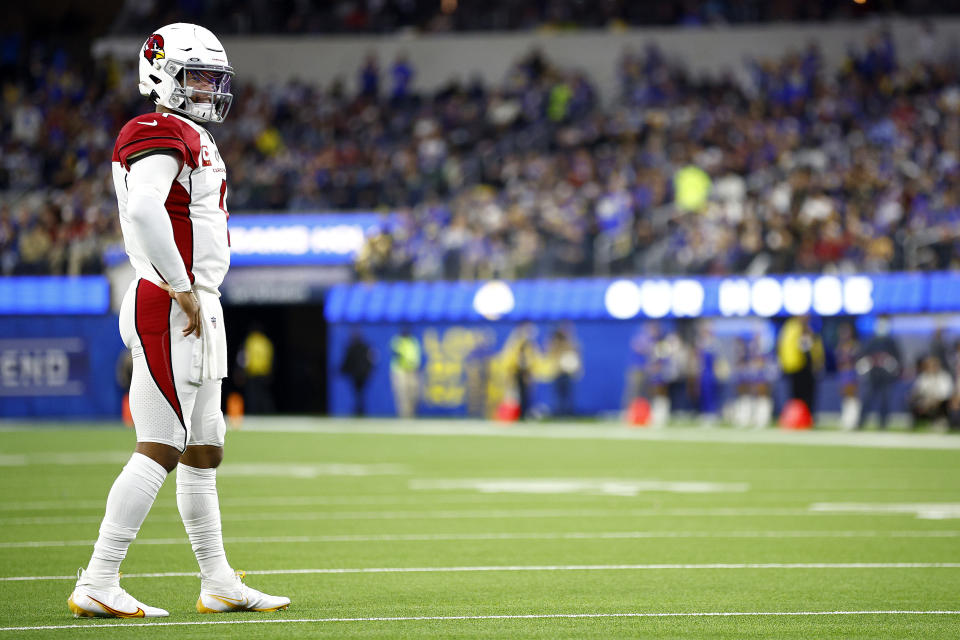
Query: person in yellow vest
{"type": "Point", "coordinates": [800, 351]}
{"type": "Point", "coordinates": [405, 373]}
{"type": "Point", "coordinates": [691, 187]}
{"type": "Point", "coordinates": [257, 362]}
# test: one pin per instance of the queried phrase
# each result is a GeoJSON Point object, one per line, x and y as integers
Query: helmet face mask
{"type": "Point", "coordinates": [204, 91]}
{"type": "Point", "coordinates": [184, 68]}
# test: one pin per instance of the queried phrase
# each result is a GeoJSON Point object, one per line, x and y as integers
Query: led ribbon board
{"type": "Point", "coordinates": [300, 239]}
{"type": "Point", "coordinates": [637, 298]}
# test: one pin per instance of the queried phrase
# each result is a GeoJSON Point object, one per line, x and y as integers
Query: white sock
{"type": "Point", "coordinates": [743, 406]}
{"type": "Point", "coordinates": [660, 411]}
{"type": "Point", "coordinates": [762, 411]}
{"type": "Point", "coordinates": [850, 413]}
{"type": "Point", "coordinates": [200, 510]}
{"type": "Point", "coordinates": [128, 504]}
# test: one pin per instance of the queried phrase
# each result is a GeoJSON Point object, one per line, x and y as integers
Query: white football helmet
{"type": "Point", "coordinates": [184, 68]}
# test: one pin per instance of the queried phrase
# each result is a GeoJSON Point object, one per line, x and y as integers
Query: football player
{"type": "Point", "coordinates": [171, 188]}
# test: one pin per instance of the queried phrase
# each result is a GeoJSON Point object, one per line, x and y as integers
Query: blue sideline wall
{"type": "Point", "coordinates": [447, 357]}
{"type": "Point", "coordinates": [59, 366]}
{"type": "Point", "coordinates": [604, 314]}
{"type": "Point", "coordinates": [59, 348]}
{"type": "Point", "coordinates": [600, 388]}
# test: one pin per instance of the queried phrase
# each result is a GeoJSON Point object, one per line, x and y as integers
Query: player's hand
{"type": "Point", "coordinates": [191, 307]}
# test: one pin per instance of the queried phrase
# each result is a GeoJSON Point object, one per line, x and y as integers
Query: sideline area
{"type": "Point", "coordinates": [678, 431]}
{"type": "Point", "coordinates": [604, 430]}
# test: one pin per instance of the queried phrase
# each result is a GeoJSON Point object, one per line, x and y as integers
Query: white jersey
{"type": "Point", "coordinates": [197, 203]}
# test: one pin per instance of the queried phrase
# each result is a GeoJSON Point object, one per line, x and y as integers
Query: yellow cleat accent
{"type": "Point", "coordinates": [241, 598]}
{"type": "Point", "coordinates": [77, 611]}
{"type": "Point", "coordinates": [107, 601]}
{"type": "Point", "coordinates": [203, 609]}
{"type": "Point", "coordinates": [282, 607]}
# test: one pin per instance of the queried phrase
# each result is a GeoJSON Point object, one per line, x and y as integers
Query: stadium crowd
{"type": "Point", "coordinates": [796, 169]}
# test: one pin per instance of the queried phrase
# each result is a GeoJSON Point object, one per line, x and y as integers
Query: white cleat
{"type": "Point", "coordinates": [237, 597]}
{"type": "Point", "coordinates": [95, 601]}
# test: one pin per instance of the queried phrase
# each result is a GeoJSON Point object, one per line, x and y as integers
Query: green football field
{"type": "Point", "coordinates": [464, 529]}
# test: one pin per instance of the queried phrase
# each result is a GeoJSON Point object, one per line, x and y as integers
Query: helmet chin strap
{"type": "Point", "coordinates": [202, 110]}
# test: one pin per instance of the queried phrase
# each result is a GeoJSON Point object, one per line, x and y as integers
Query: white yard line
{"type": "Point", "coordinates": [921, 510]}
{"type": "Point", "coordinates": [623, 487]}
{"type": "Point", "coordinates": [451, 537]}
{"type": "Point", "coordinates": [466, 514]}
{"type": "Point", "coordinates": [529, 616]}
{"type": "Point", "coordinates": [420, 499]}
{"type": "Point", "coordinates": [555, 567]}
{"type": "Point", "coordinates": [941, 511]}
{"type": "Point", "coordinates": [309, 471]}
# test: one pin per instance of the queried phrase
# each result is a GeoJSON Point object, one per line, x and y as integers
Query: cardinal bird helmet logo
{"type": "Point", "coordinates": [153, 48]}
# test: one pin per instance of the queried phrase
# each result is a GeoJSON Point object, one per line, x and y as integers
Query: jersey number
{"type": "Point", "coordinates": [223, 196]}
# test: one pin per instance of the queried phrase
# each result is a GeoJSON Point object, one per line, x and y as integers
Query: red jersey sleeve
{"type": "Point", "coordinates": [157, 131]}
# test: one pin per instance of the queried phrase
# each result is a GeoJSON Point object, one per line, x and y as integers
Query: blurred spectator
{"type": "Point", "coordinates": [740, 407]}
{"type": "Point", "coordinates": [357, 365]}
{"type": "Point", "coordinates": [478, 378]}
{"type": "Point", "coordinates": [564, 353]}
{"type": "Point", "coordinates": [763, 372]}
{"type": "Point", "coordinates": [931, 392]}
{"type": "Point", "coordinates": [402, 75]}
{"type": "Point", "coordinates": [754, 373]}
{"type": "Point", "coordinates": [405, 373]}
{"type": "Point", "coordinates": [123, 374]}
{"type": "Point", "coordinates": [879, 364]}
{"type": "Point", "coordinates": [845, 356]}
{"type": "Point", "coordinates": [523, 368]}
{"type": "Point", "coordinates": [953, 410]}
{"type": "Point", "coordinates": [953, 359]}
{"type": "Point", "coordinates": [691, 186]}
{"type": "Point", "coordinates": [639, 360]}
{"type": "Point", "coordinates": [370, 77]}
{"type": "Point", "coordinates": [707, 370]}
{"type": "Point", "coordinates": [668, 363]}
{"type": "Point", "coordinates": [801, 357]}
{"type": "Point", "coordinates": [257, 363]}
{"type": "Point", "coordinates": [939, 348]}
{"type": "Point", "coordinates": [953, 407]}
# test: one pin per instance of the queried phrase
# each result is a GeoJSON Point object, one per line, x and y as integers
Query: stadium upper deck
{"type": "Point", "coordinates": [387, 16]}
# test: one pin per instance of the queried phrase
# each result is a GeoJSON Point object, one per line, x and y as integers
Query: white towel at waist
{"type": "Point", "coordinates": [209, 361]}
